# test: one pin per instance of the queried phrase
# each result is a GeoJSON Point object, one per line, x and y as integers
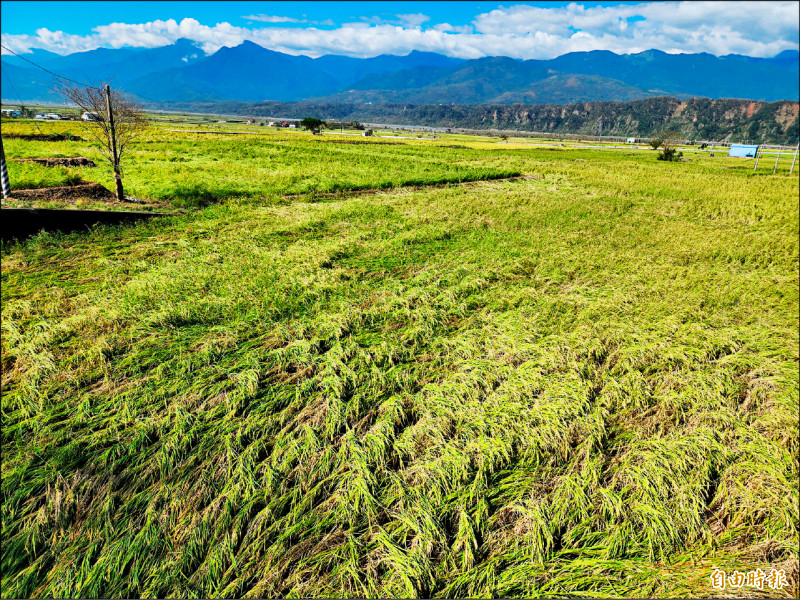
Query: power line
{"type": "Point", "coordinates": [47, 70]}
{"type": "Point", "coordinates": [13, 87]}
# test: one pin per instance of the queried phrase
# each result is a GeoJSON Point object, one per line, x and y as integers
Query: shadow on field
{"type": "Point", "coordinates": [338, 190]}
{"type": "Point", "coordinates": [197, 195]}
{"type": "Point", "coordinates": [21, 223]}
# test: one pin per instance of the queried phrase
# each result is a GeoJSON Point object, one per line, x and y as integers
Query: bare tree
{"type": "Point", "coordinates": [111, 118]}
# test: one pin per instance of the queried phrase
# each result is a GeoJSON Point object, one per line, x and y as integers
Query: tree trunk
{"type": "Point", "coordinates": [114, 154]}
{"type": "Point", "coordinates": [118, 184]}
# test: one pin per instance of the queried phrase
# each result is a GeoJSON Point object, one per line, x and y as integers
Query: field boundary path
{"type": "Point", "coordinates": [409, 186]}
{"type": "Point", "coordinates": [219, 132]}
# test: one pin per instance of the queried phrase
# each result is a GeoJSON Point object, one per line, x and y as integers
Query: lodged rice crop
{"type": "Point", "coordinates": [578, 383]}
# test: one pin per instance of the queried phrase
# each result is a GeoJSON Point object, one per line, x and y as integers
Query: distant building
{"type": "Point", "coordinates": [250, 121]}
{"type": "Point", "coordinates": [631, 140]}
{"type": "Point", "coordinates": [292, 126]}
{"type": "Point", "coordinates": [743, 150]}
{"type": "Point", "coordinates": [271, 123]}
{"type": "Point", "coordinates": [90, 116]}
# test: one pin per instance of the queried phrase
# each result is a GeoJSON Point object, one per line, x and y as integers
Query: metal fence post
{"type": "Point", "coordinates": [777, 158]}
{"type": "Point", "coordinates": [4, 172]}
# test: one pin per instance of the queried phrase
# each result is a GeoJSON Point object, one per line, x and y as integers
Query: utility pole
{"type": "Point", "coordinates": [117, 176]}
{"type": "Point", "coordinates": [4, 172]}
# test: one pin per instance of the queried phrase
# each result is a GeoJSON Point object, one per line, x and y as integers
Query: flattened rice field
{"type": "Point", "coordinates": [506, 371]}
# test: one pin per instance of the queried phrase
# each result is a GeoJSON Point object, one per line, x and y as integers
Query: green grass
{"type": "Point", "coordinates": [191, 170]}
{"type": "Point", "coordinates": [28, 175]}
{"type": "Point", "coordinates": [583, 382]}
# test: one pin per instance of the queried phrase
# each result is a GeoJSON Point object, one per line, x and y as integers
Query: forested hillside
{"type": "Point", "coordinates": [696, 118]}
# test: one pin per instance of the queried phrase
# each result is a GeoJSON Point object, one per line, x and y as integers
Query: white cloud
{"type": "Point", "coordinates": [521, 31]}
{"type": "Point", "coordinates": [415, 20]}
{"type": "Point", "coordinates": [755, 28]}
{"type": "Point", "coordinates": [405, 20]}
{"type": "Point", "coordinates": [453, 28]}
{"type": "Point", "coordinates": [274, 19]}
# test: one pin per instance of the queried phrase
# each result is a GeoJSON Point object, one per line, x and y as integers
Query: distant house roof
{"type": "Point", "coordinates": [743, 150]}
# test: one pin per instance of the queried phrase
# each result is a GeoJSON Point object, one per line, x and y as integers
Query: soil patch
{"type": "Point", "coordinates": [74, 161]}
{"type": "Point", "coordinates": [82, 193]}
{"type": "Point", "coordinates": [41, 137]}
{"type": "Point", "coordinates": [94, 191]}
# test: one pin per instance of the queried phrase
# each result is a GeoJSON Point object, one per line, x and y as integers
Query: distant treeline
{"type": "Point", "coordinates": [728, 120]}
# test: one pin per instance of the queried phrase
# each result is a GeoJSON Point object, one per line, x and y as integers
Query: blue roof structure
{"type": "Point", "coordinates": [743, 150]}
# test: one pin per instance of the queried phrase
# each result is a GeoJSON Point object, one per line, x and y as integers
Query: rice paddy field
{"type": "Point", "coordinates": [441, 368]}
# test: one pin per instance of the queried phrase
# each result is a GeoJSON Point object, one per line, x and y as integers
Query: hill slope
{"type": "Point", "coordinates": [120, 67]}
{"type": "Point", "coordinates": [695, 118]}
{"type": "Point", "coordinates": [586, 76]}
{"type": "Point", "coordinates": [692, 74]}
{"type": "Point", "coordinates": [240, 73]}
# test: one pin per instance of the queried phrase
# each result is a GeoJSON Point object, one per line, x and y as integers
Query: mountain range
{"type": "Point", "coordinates": [181, 72]}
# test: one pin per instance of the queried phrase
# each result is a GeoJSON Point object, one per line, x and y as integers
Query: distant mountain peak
{"type": "Point", "coordinates": [245, 45]}
{"type": "Point", "coordinates": [249, 71]}
{"type": "Point", "coordinates": [422, 53]}
{"type": "Point", "coordinates": [186, 43]}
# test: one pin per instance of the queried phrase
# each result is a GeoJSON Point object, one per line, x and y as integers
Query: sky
{"type": "Point", "coordinates": [528, 30]}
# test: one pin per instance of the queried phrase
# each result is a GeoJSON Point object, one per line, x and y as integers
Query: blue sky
{"type": "Point", "coordinates": [24, 17]}
{"type": "Point", "coordinates": [465, 29]}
